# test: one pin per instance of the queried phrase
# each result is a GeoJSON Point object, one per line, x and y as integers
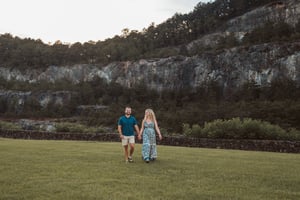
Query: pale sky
{"type": "Point", "coordinates": [73, 21]}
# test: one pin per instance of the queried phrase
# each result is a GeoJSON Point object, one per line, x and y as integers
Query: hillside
{"type": "Point", "coordinates": [230, 67]}
{"type": "Point", "coordinates": [240, 66]}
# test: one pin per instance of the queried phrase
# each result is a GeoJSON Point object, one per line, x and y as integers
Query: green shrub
{"type": "Point", "coordinates": [78, 128]}
{"type": "Point", "coordinates": [293, 134]}
{"type": "Point", "coordinates": [241, 129]}
{"type": "Point", "coordinates": [270, 131]}
{"type": "Point", "coordinates": [196, 129]}
{"type": "Point", "coordinates": [213, 129]}
{"type": "Point", "coordinates": [164, 131]}
{"type": "Point", "coordinates": [9, 126]}
{"type": "Point", "coordinates": [94, 130]}
{"type": "Point", "coordinates": [186, 129]}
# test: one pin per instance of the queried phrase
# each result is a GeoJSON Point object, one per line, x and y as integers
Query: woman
{"type": "Point", "coordinates": [148, 129]}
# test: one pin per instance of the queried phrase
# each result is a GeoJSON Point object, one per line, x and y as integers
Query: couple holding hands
{"type": "Point", "coordinates": [127, 125]}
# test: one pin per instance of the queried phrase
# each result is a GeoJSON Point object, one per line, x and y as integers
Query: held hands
{"type": "Point", "coordinates": [139, 136]}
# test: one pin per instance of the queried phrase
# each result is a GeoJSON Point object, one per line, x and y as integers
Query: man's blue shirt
{"type": "Point", "coordinates": [127, 124]}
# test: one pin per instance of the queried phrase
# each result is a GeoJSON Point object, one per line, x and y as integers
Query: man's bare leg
{"type": "Point", "coordinates": [126, 152]}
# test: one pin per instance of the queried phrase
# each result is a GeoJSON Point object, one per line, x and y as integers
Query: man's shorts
{"type": "Point", "coordinates": [128, 139]}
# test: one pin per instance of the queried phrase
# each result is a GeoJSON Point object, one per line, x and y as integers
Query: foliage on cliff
{"type": "Point", "coordinates": [278, 104]}
{"type": "Point", "coordinates": [162, 40]}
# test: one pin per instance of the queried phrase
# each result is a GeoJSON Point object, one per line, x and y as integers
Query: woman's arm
{"type": "Point", "coordinates": [141, 130]}
{"type": "Point", "coordinates": [157, 130]}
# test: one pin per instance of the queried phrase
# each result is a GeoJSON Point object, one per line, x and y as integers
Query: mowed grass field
{"type": "Point", "coordinates": [62, 170]}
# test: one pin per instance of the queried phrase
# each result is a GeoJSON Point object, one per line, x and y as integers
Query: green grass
{"type": "Point", "coordinates": [33, 169]}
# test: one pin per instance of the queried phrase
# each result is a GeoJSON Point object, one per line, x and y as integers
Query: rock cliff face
{"type": "Point", "coordinates": [18, 98]}
{"type": "Point", "coordinates": [230, 67]}
{"type": "Point", "coordinates": [286, 11]}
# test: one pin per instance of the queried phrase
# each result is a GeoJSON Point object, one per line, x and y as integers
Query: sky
{"type": "Point", "coordinates": [81, 21]}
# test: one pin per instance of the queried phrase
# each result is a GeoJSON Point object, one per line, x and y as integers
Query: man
{"type": "Point", "coordinates": [127, 124]}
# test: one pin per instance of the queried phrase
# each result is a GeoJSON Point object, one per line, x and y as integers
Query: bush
{"type": "Point", "coordinates": [251, 129]}
{"type": "Point", "coordinates": [241, 129]}
{"type": "Point", "coordinates": [9, 126]}
{"type": "Point", "coordinates": [77, 128]}
{"type": "Point", "coordinates": [186, 129]}
{"type": "Point", "coordinates": [196, 129]}
{"type": "Point", "coordinates": [293, 134]}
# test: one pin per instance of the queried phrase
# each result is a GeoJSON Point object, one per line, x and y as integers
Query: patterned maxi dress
{"type": "Point", "coordinates": [149, 142]}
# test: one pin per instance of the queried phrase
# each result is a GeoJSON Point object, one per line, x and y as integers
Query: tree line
{"type": "Point", "coordinates": [278, 104]}
{"type": "Point", "coordinates": [162, 40]}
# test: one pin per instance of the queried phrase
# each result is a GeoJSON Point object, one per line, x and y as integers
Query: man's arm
{"type": "Point", "coordinates": [120, 131]}
{"type": "Point", "coordinates": [137, 130]}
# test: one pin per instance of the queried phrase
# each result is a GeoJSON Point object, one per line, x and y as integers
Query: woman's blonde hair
{"type": "Point", "coordinates": [151, 114]}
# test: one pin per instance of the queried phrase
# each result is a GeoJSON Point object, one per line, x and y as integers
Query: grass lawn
{"type": "Point", "coordinates": [37, 169]}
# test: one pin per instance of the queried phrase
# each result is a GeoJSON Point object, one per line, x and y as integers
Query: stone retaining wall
{"type": "Point", "coordinates": [255, 145]}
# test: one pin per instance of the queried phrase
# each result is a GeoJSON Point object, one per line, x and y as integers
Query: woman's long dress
{"type": "Point", "coordinates": [149, 142]}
